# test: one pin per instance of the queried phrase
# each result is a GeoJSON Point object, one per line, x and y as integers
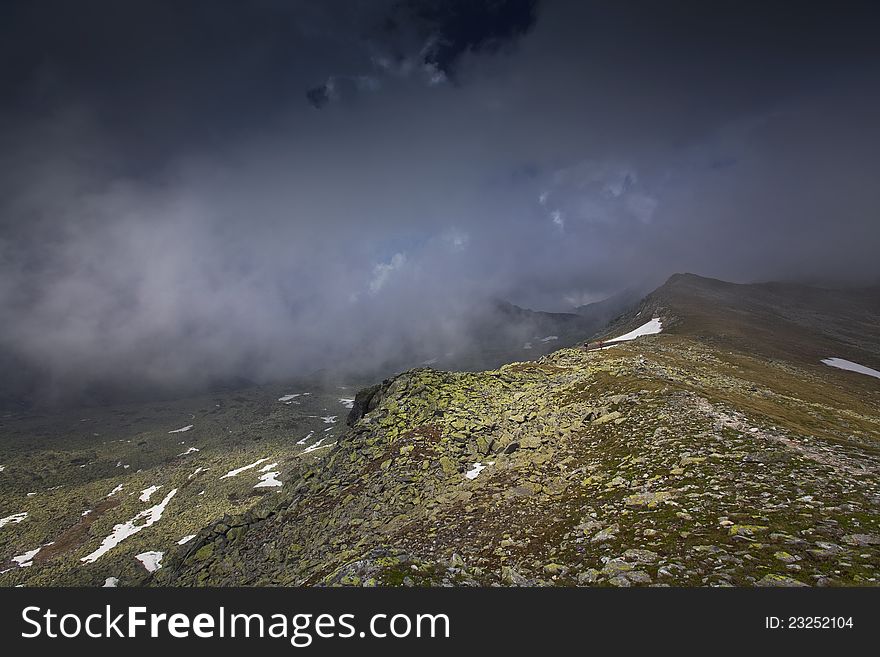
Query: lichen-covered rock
{"type": "Point", "coordinates": [778, 580]}
{"type": "Point", "coordinates": [649, 499]}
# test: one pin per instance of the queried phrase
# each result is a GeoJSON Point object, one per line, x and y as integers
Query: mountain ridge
{"type": "Point", "coordinates": [720, 451]}
{"type": "Point", "coordinates": [586, 467]}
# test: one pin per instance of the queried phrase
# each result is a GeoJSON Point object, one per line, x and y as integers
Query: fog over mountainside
{"type": "Point", "coordinates": [196, 194]}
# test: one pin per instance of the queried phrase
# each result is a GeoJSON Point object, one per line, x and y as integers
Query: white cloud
{"type": "Point", "coordinates": [642, 206]}
{"type": "Point", "coordinates": [368, 83]}
{"type": "Point", "coordinates": [619, 181]}
{"type": "Point", "coordinates": [582, 298]}
{"type": "Point", "coordinates": [434, 75]}
{"type": "Point", "coordinates": [457, 239]}
{"type": "Point", "coordinates": [383, 270]}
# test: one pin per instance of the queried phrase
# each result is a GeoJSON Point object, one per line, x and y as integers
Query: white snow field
{"type": "Point", "coordinates": [146, 493]}
{"type": "Point", "coordinates": [288, 399]}
{"type": "Point", "coordinates": [842, 364]}
{"type": "Point", "coordinates": [27, 559]}
{"type": "Point", "coordinates": [14, 519]}
{"type": "Point", "coordinates": [238, 471]}
{"type": "Point", "coordinates": [651, 328]}
{"type": "Point", "coordinates": [477, 468]}
{"type": "Point", "coordinates": [183, 429]}
{"type": "Point", "coordinates": [151, 560]}
{"type": "Point", "coordinates": [317, 445]}
{"type": "Point", "coordinates": [195, 472]}
{"type": "Point", "coordinates": [269, 480]}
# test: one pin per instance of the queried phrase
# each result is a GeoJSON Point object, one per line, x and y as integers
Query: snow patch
{"type": "Point", "coordinates": [842, 364]}
{"type": "Point", "coordinates": [348, 403]}
{"type": "Point", "coordinates": [182, 429]}
{"type": "Point", "coordinates": [650, 328]}
{"type": "Point", "coordinates": [302, 441]}
{"type": "Point", "coordinates": [195, 472]}
{"type": "Point", "coordinates": [288, 399]}
{"type": "Point", "coordinates": [110, 583]}
{"type": "Point", "coordinates": [237, 471]}
{"type": "Point", "coordinates": [26, 560]}
{"type": "Point", "coordinates": [329, 419]}
{"type": "Point", "coordinates": [124, 530]}
{"type": "Point", "coordinates": [550, 338]}
{"type": "Point", "coordinates": [151, 560]}
{"type": "Point", "coordinates": [317, 445]}
{"type": "Point", "coordinates": [269, 480]}
{"type": "Point", "coordinates": [147, 492]}
{"type": "Point", "coordinates": [189, 451]}
{"type": "Point", "coordinates": [477, 468]}
{"type": "Point", "coordinates": [186, 539]}
{"type": "Point", "coordinates": [115, 490]}
{"type": "Point", "coordinates": [14, 519]}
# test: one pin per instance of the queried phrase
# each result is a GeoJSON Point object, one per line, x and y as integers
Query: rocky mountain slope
{"type": "Point", "coordinates": [87, 490]}
{"type": "Point", "coordinates": [721, 451]}
{"type": "Point", "coordinates": [72, 479]}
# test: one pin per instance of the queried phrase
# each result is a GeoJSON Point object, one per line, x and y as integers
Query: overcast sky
{"type": "Point", "coordinates": [207, 188]}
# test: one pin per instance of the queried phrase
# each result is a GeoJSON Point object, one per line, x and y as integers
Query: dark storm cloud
{"type": "Point", "coordinates": [428, 38]}
{"type": "Point", "coordinates": [451, 28]}
{"type": "Point", "coordinates": [174, 210]}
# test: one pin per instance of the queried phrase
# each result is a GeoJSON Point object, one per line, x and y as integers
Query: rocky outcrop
{"type": "Point", "coordinates": [365, 401]}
